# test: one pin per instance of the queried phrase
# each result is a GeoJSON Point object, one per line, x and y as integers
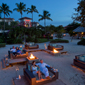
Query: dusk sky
{"type": "Point", "coordinates": [60, 10]}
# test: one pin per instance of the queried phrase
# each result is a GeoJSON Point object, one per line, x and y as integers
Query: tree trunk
{"type": "Point", "coordinates": [4, 28]}
{"type": "Point", "coordinates": [45, 24]}
{"type": "Point", "coordinates": [4, 22]}
{"type": "Point", "coordinates": [32, 19]}
{"type": "Point", "coordinates": [24, 38]}
{"type": "Point", "coordinates": [0, 14]}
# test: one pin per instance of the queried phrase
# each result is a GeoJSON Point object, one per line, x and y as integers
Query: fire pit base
{"type": "Point", "coordinates": [31, 60]}
{"type": "Point", "coordinates": [56, 54]}
{"type": "Point", "coordinates": [36, 60]}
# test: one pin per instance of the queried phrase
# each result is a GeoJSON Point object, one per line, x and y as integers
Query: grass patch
{"type": "Point", "coordinates": [2, 44]}
{"type": "Point", "coordinates": [59, 41]}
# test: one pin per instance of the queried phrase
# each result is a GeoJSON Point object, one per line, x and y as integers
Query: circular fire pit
{"type": "Point", "coordinates": [32, 58]}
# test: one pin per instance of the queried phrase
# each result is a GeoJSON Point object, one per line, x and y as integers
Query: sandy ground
{"type": "Point", "coordinates": [68, 74]}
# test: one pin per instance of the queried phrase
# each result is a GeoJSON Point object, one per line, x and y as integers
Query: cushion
{"type": "Point", "coordinates": [82, 58]}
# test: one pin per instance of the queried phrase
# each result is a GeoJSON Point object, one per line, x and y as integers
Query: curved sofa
{"type": "Point", "coordinates": [35, 46]}
{"type": "Point", "coordinates": [80, 61]}
{"type": "Point", "coordinates": [12, 56]}
{"type": "Point", "coordinates": [54, 46]}
{"type": "Point", "coordinates": [32, 79]}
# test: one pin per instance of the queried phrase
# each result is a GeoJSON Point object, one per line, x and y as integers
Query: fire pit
{"type": "Point", "coordinates": [32, 58]}
{"type": "Point", "coordinates": [55, 52]}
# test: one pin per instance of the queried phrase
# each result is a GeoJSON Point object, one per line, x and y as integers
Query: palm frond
{"type": "Point", "coordinates": [40, 15]}
{"type": "Point", "coordinates": [40, 19]}
{"type": "Point", "coordinates": [49, 18]}
{"type": "Point", "coordinates": [15, 9]}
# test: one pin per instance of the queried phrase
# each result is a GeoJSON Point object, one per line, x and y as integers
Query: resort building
{"type": "Point", "coordinates": [26, 21]}
{"type": "Point", "coordinates": [80, 31]}
{"type": "Point", "coordinates": [8, 20]}
{"type": "Point", "coordinates": [35, 24]}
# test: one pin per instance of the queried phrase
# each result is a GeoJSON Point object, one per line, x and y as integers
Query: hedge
{"type": "Point", "coordinates": [82, 42]}
{"type": "Point", "coordinates": [59, 41]}
{"type": "Point", "coordinates": [2, 44]}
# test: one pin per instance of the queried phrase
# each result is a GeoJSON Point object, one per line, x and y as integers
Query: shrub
{"type": "Point", "coordinates": [10, 41]}
{"type": "Point", "coordinates": [59, 41]}
{"type": "Point", "coordinates": [82, 42]}
{"type": "Point", "coordinates": [14, 41]}
{"type": "Point", "coordinates": [30, 39]}
{"type": "Point", "coordinates": [2, 44]}
{"type": "Point", "coordinates": [59, 35]}
{"type": "Point", "coordinates": [1, 40]}
{"type": "Point", "coordinates": [18, 41]}
{"type": "Point", "coordinates": [46, 37]}
{"type": "Point", "coordinates": [41, 40]}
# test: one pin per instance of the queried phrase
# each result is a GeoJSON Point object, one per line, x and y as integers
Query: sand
{"type": "Point", "coordinates": [67, 74]}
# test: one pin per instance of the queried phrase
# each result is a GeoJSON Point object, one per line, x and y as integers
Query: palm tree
{"type": "Point", "coordinates": [5, 9]}
{"type": "Point", "coordinates": [0, 11]}
{"type": "Point", "coordinates": [31, 10]}
{"type": "Point", "coordinates": [45, 16]}
{"type": "Point", "coordinates": [20, 8]}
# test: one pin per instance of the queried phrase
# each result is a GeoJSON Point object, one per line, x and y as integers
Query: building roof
{"type": "Point", "coordinates": [79, 29]}
{"type": "Point", "coordinates": [7, 18]}
{"type": "Point", "coordinates": [24, 18]}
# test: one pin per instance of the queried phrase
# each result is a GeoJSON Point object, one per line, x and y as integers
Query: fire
{"type": "Point", "coordinates": [32, 57]}
{"type": "Point", "coordinates": [55, 51]}
{"type": "Point", "coordinates": [20, 46]}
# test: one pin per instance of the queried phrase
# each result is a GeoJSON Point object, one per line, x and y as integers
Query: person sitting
{"type": "Point", "coordinates": [13, 50]}
{"type": "Point", "coordinates": [43, 68]}
{"type": "Point", "coordinates": [18, 50]}
{"type": "Point", "coordinates": [35, 70]}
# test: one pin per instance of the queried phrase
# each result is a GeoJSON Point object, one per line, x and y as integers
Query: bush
{"type": "Point", "coordinates": [14, 41]}
{"type": "Point", "coordinates": [2, 44]}
{"type": "Point", "coordinates": [30, 39]}
{"type": "Point", "coordinates": [59, 41]}
{"type": "Point", "coordinates": [46, 37]}
{"type": "Point", "coordinates": [59, 35]}
{"type": "Point", "coordinates": [1, 40]}
{"type": "Point", "coordinates": [82, 42]}
{"type": "Point", "coordinates": [18, 41]}
{"type": "Point", "coordinates": [41, 40]}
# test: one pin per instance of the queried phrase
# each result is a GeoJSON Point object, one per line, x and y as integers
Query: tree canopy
{"type": "Point", "coordinates": [80, 12]}
{"type": "Point", "coordinates": [20, 8]}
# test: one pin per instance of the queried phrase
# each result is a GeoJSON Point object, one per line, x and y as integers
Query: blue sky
{"type": "Point", "coordinates": [60, 10]}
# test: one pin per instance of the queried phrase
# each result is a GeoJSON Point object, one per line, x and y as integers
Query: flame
{"type": "Point", "coordinates": [32, 57]}
{"type": "Point", "coordinates": [55, 51]}
{"type": "Point", "coordinates": [20, 46]}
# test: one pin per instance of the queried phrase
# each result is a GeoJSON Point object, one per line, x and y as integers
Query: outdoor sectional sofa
{"type": "Point", "coordinates": [32, 79]}
{"type": "Point", "coordinates": [12, 56]}
{"type": "Point", "coordinates": [31, 46]}
{"type": "Point", "coordinates": [80, 61]}
{"type": "Point", "coordinates": [52, 46]}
